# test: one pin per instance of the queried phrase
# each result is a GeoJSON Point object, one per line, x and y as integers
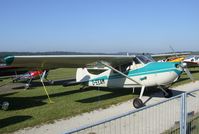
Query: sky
{"type": "Point", "coordinates": [99, 25]}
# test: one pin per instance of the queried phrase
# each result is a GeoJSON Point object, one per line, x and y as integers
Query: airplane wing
{"type": "Point", "coordinates": [168, 54]}
{"type": "Point", "coordinates": [65, 61]}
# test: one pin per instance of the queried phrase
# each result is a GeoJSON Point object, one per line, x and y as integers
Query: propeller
{"type": "Point", "coordinates": [184, 66]}
{"type": "Point", "coordinates": [186, 70]}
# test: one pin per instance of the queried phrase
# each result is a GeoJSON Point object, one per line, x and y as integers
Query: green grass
{"type": "Point", "coordinates": [29, 108]}
{"type": "Point", "coordinates": [185, 79]}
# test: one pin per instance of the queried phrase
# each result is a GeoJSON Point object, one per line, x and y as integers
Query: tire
{"type": "Point", "coordinates": [5, 105]}
{"type": "Point", "coordinates": [137, 103]}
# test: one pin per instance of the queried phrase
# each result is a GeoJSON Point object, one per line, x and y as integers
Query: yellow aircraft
{"type": "Point", "coordinates": [175, 59]}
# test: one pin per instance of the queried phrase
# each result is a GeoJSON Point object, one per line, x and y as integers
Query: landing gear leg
{"type": "Point", "coordinates": [137, 102]}
{"type": "Point", "coordinates": [83, 87]}
{"type": "Point", "coordinates": [167, 92]}
{"type": "Point", "coordinates": [27, 86]}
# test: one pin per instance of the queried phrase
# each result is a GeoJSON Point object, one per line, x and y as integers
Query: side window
{"type": "Point", "coordinates": [136, 61]}
{"type": "Point", "coordinates": [123, 67]}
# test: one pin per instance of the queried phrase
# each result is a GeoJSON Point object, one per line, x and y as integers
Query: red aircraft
{"type": "Point", "coordinates": [21, 74]}
{"type": "Point", "coordinates": [30, 76]}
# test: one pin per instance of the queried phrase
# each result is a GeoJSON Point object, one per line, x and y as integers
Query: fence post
{"type": "Point", "coordinates": [183, 114]}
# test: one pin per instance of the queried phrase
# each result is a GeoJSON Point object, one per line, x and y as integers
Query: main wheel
{"type": "Point", "coordinates": [169, 94]}
{"type": "Point", "coordinates": [27, 86]}
{"type": "Point", "coordinates": [137, 103]}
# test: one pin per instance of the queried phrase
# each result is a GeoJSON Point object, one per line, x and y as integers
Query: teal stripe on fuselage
{"type": "Point", "coordinates": [150, 68]}
{"type": "Point", "coordinates": [155, 67]}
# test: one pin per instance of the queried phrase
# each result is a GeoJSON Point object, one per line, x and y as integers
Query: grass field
{"type": "Point", "coordinates": [29, 108]}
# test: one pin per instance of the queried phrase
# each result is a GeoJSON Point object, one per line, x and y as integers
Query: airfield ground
{"type": "Point", "coordinates": [29, 108]}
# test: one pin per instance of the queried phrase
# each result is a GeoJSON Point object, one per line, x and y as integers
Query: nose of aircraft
{"type": "Point", "coordinates": [178, 67]}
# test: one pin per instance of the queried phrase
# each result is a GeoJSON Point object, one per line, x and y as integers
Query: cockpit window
{"type": "Point", "coordinates": [145, 59]}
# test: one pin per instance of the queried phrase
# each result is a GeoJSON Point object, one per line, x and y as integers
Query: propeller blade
{"type": "Point", "coordinates": [189, 74]}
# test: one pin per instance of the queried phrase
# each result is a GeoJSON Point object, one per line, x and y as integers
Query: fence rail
{"type": "Point", "coordinates": [178, 114]}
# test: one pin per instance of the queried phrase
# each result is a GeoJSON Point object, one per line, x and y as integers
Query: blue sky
{"type": "Point", "coordinates": [99, 25]}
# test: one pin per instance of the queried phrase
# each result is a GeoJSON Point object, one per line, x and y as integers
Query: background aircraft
{"type": "Point", "coordinates": [192, 60]}
{"type": "Point", "coordinates": [172, 59]}
{"type": "Point", "coordinates": [30, 76]}
{"type": "Point", "coordinates": [114, 71]}
{"type": "Point", "coordinates": [21, 74]}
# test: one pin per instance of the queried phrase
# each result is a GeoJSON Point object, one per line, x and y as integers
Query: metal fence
{"type": "Point", "coordinates": [175, 115]}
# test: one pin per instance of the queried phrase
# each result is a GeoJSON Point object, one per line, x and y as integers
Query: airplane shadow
{"type": "Point", "coordinates": [7, 94]}
{"type": "Point", "coordinates": [13, 120]}
{"type": "Point", "coordinates": [194, 71]}
{"type": "Point", "coordinates": [151, 92]}
{"type": "Point", "coordinates": [17, 103]}
{"type": "Point", "coordinates": [113, 94]}
{"type": "Point", "coordinates": [35, 84]}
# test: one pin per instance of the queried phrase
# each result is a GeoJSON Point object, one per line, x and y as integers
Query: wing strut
{"type": "Point", "coordinates": [42, 81]}
{"type": "Point", "coordinates": [137, 102]}
{"type": "Point", "coordinates": [103, 63]}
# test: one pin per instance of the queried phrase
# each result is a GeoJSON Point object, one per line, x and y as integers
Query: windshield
{"type": "Point", "coordinates": [145, 59]}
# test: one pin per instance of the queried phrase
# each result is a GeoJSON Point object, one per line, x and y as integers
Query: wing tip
{"type": "Point", "coordinates": [9, 60]}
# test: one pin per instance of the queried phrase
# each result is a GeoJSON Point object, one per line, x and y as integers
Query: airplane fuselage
{"type": "Point", "coordinates": [150, 74]}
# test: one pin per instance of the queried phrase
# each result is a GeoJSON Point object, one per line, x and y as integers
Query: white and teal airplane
{"type": "Point", "coordinates": [113, 71]}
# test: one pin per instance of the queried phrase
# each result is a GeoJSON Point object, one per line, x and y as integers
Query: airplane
{"type": "Point", "coordinates": [113, 71]}
{"type": "Point", "coordinates": [175, 59]}
{"type": "Point", "coordinates": [179, 57]}
{"type": "Point", "coordinates": [192, 60]}
{"type": "Point", "coordinates": [21, 74]}
{"type": "Point", "coordinates": [30, 76]}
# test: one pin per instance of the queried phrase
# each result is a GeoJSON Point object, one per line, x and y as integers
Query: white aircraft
{"type": "Point", "coordinates": [192, 60]}
{"type": "Point", "coordinates": [113, 71]}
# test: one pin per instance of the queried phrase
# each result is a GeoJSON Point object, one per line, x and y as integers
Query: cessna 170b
{"type": "Point", "coordinates": [113, 71]}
